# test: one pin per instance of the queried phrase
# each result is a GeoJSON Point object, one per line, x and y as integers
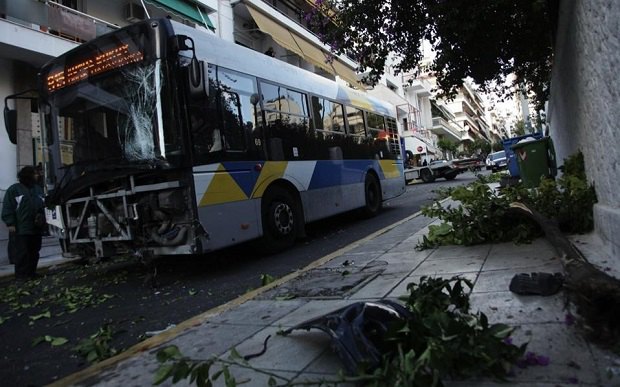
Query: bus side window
{"type": "Point", "coordinates": [288, 123]}
{"type": "Point", "coordinates": [233, 137]}
{"type": "Point", "coordinates": [379, 134]}
{"type": "Point", "coordinates": [204, 120]}
{"type": "Point", "coordinates": [317, 112]}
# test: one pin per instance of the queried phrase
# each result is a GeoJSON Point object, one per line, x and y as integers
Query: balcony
{"type": "Point", "coordinates": [444, 128]}
{"type": "Point", "coordinates": [55, 19]}
{"type": "Point", "coordinates": [289, 34]}
{"type": "Point", "coordinates": [419, 86]}
{"type": "Point", "coordinates": [34, 31]}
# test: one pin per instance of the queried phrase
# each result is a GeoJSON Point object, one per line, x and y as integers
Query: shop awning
{"type": "Point", "coordinates": [185, 9]}
{"type": "Point", "coordinates": [294, 42]}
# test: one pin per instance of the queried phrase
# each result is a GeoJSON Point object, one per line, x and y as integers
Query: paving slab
{"type": "Point", "coordinates": [509, 308]}
{"type": "Point", "coordinates": [292, 353]}
{"type": "Point", "coordinates": [381, 287]}
{"type": "Point", "coordinates": [516, 260]}
{"type": "Point", "coordinates": [401, 262]}
{"type": "Point", "coordinates": [258, 312]}
{"type": "Point", "coordinates": [458, 252]}
{"type": "Point", "coordinates": [570, 358]}
{"type": "Point", "coordinates": [311, 309]}
{"type": "Point", "coordinates": [449, 267]}
{"type": "Point", "coordinates": [499, 280]}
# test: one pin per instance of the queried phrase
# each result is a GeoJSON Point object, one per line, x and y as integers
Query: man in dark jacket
{"type": "Point", "coordinates": [22, 202]}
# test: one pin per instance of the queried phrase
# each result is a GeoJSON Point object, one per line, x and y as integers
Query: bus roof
{"type": "Point", "coordinates": [236, 57]}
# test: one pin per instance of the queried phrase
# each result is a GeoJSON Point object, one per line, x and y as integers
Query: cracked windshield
{"type": "Point", "coordinates": [113, 118]}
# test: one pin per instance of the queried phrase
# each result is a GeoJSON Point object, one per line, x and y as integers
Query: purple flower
{"type": "Point", "coordinates": [508, 340]}
{"type": "Point", "coordinates": [569, 319]}
{"type": "Point", "coordinates": [543, 360]}
{"type": "Point", "coordinates": [531, 359]}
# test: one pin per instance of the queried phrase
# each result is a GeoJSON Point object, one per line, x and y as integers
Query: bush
{"type": "Point", "coordinates": [482, 215]}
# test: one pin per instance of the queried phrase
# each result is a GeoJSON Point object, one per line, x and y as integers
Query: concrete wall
{"type": "Point", "coordinates": [8, 155]}
{"type": "Point", "coordinates": [583, 110]}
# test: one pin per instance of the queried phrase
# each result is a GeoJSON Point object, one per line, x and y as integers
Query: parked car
{"type": "Point", "coordinates": [496, 161]}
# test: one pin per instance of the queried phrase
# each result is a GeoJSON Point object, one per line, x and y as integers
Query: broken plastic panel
{"type": "Point", "coordinates": [358, 331]}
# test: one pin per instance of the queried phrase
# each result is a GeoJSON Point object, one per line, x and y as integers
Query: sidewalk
{"type": "Point", "coordinates": [378, 267]}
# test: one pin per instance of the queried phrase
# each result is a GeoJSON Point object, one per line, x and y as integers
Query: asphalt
{"type": "Point", "coordinates": [376, 268]}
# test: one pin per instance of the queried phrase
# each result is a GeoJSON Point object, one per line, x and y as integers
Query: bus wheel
{"type": "Point", "coordinates": [372, 192]}
{"type": "Point", "coordinates": [281, 220]}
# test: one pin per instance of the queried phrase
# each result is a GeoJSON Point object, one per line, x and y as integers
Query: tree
{"type": "Point", "coordinates": [483, 39]}
{"type": "Point", "coordinates": [497, 146]}
{"type": "Point", "coordinates": [519, 128]}
{"type": "Point", "coordinates": [447, 146]}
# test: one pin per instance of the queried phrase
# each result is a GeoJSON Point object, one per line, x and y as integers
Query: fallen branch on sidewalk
{"type": "Point", "coordinates": [594, 292]}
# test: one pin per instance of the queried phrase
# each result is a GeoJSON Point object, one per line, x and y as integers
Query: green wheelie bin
{"type": "Point", "coordinates": [536, 160]}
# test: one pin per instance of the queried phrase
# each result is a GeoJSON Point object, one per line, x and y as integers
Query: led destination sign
{"type": "Point", "coordinates": [104, 61]}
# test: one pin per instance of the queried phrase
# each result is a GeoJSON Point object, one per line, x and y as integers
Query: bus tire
{"type": "Point", "coordinates": [281, 219]}
{"type": "Point", "coordinates": [372, 194]}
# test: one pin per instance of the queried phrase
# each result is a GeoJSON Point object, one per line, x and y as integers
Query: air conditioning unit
{"type": "Point", "coordinates": [134, 12]}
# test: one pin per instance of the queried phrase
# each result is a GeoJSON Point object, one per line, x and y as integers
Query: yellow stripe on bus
{"type": "Point", "coordinates": [222, 189]}
{"type": "Point", "coordinates": [389, 168]}
{"type": "Point", "coordinates": [271, 171]}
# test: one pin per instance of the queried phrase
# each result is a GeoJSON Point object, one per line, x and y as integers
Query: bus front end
{"type": "Point", "coordinates": [116, 165]}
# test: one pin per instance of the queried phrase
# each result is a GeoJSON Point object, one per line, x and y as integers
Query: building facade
{"type": "Point", "coordinates": [583, 112]}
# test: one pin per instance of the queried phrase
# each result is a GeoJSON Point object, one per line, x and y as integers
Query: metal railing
{"type": "Point", "coordinates": [441, 122]}
{"type": "Point", "coordinates": [55, 19]}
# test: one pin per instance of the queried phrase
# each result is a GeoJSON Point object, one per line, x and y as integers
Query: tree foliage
{"type": "Point", "coordinates": [447, 146]}
{"type": "Point", "coordinates": [485, 39]}
{"type": "Point", "coordinates": [519, 128]}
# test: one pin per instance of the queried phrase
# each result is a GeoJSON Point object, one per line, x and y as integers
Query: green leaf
{"type": "Point", "coordinates": [192, 292]}
{"type": "Point", "coordinates": [182, 371]}
{"type": "Point", "coordinates": [58, 341]}
{"type": "Point", "coordinates": [92, 356]}
{"type": "Point", "coordinates": [500, 331]}
{"type": "Point", "coordinates": [169, 352]}
{"type": "Point", "coordinates": [266, 279]}
{"type": "Point", "coordinates": [40, 316]}
{"type": "Point", "coordinates": [163, 372]}
{"type": "Point", "coordinates": [38, 340]}
{"type": "Point", "coordinates": [234, 355]}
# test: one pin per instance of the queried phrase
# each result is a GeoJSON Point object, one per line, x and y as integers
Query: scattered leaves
{"type": "Point", "coordinates": [54, 341]}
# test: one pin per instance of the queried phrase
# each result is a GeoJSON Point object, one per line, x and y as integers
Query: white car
{"type": "Point", "coordinates": [496, 161]}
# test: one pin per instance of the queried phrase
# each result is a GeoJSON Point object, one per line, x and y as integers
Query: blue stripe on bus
{"type": "Point", "coordinates": [327, 173]}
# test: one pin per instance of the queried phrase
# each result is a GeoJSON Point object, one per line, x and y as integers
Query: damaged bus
{"type": "Point", "coordinates": [162, 140]}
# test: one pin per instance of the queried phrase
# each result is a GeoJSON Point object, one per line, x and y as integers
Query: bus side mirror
{"type": "Point", "coordinates": [10, 123]}
{"type": "Point", "coordinates": [196, 79]}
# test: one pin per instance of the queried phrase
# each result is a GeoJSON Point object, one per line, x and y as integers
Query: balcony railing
{"type": "Point", "coordinates": [55, 19]}
{"type": "Point", "coordinates": [417, 84]}
{"type": "Point", "coordinates": [439, 122]}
